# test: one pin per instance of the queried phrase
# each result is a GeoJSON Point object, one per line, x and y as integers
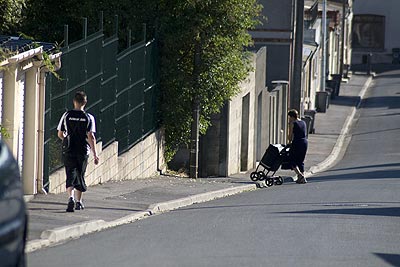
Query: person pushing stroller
{"type": "Point", "coordinates": [297, 138]}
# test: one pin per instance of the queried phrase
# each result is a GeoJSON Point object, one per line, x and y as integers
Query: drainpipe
{"type": "Point", "coordinates": [40, 151]}
{"type": "Point", "coordinates": [56, 58]}
{"type": "Point", "coordinates": [323, 65]}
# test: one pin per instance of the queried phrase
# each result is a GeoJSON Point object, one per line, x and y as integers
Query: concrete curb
{"type": "Point", "coordinates": [204, 197]}
{"type": "Point", "coordinates": [126, 219]}
{"type": "Point", "coordinates": [60, 234]}
{"type": "Point", "coordinates": [340, 142]}
{"type": "Point", "coordinates": [71, 231]}
{"type": "Point", "coordinates": [56, 235]}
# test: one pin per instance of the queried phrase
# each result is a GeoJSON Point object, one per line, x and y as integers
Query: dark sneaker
{"type": "Point", "coordinates": [79, 206]}
{"type": "Point", "coordinates": [301, 179]}
{"type": "Point", "coordinates": [71, 204]}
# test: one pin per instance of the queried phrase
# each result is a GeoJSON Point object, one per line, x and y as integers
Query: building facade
{"type": "Point", "coordinates": [375, 31]}
{"type": "Point", "coordinates": [22, 97]}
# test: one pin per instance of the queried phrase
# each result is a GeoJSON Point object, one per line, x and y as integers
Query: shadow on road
{"type": "Point", "coordinates": [388, 74]}
{"type": "Point", "coordinates": [389, 102]}
{"type": "Point", "coordinates": [367, 175]}
{"type": "Point", "coordinates": [393, 259]}
{"type": "Point", "coordinates": [378, 131]}
{"type": "Point", "coordinates": [378, 68]}
{"type": "Point", "coordinates": [363, 211]}
{"type": "Point", "coordinates": [367, 167]}
{"type": "Point", "coordinates": [384, 115]}
{"type": "Point", "coordinates": [314, 204]}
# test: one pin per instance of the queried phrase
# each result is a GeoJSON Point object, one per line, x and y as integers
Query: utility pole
{"type": "Point", "coordinates": [298, 57]}
{"type": "Point", "coordinates": [343, 35]}
{"type": "Point", "coordinates": [323, 65]}
{"type": "Point", "coordinates": [194, 136]}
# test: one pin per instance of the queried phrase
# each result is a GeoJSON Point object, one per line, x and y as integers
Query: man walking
{"type": "Point", "coordinates": [77, 128]}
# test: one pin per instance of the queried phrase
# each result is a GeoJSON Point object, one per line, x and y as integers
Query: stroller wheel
{"type": "Point", "coordinates": [269, 182]}
{"type": "Point", "coordinates": [261, 176]}
{"type": "Point", "coordinates": [279, 181]}
{"type": "Point", "coordinates": [254, 176]}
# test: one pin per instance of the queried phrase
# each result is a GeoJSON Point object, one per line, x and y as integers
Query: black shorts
{"type": "Point", "coordinates": [75, 168]}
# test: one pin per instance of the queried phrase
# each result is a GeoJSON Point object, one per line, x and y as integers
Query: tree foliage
{"type": "Point", "coordinates": [45, 19]}
{"type": "Point", "coordinates": [220, 28]}
{"type": "Point", "coordinates": [10, 15]}
{"type": "Point", "coordinates": [3, 132]}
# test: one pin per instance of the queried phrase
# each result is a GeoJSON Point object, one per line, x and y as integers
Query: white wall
{"type": "Point", "coordinates": [20, 112]}
{"type": "Point", "coordinates": [390, 9]}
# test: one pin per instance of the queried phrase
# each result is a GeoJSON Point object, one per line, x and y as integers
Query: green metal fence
{"type": "Point", "coordinates": [122, 89]}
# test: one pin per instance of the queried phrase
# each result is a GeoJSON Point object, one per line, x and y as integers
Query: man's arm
{"type": "Point", "coordinates": [60, 127]}
{"type": "Point", "coordinates": [60, 134]}
{"type": "Point", "coordinates": [92, 143]}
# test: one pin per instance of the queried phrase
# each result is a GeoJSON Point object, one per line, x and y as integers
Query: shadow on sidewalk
{"type": "Point", "coordinates": [43, 202]}
{"type": "Point", "coordinates": [92, 208]}
{"type": "Point", "coordinates": [345, 100]}
{"type": "Point", "coordinates": [47, 209]}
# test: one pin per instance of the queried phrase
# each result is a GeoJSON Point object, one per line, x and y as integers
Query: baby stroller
{"type": "Point", "coordinates": [275, 156]}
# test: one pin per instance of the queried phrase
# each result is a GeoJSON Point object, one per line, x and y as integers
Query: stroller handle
{"type": "Point", "coordinates": [287, 146]}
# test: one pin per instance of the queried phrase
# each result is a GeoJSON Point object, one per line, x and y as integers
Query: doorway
{"type": "Point", "coordinates": [244, 146]}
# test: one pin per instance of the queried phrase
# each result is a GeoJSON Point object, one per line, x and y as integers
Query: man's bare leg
{"type": "Point", "coordinates": [78, 197]}
{"type": "Point", "coordinates": [71, 202]}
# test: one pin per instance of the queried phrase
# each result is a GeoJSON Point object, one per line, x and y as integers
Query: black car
{"type": "Point", "coordinates": [13, 217]}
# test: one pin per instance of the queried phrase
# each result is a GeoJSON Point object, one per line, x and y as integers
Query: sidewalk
{"type": "Point", "coordinates": [116, 203]}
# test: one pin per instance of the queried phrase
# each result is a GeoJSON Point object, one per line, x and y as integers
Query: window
{"type": "Point", "coordinates": [368, 32]}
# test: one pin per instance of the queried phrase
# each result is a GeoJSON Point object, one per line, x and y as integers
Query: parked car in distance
{"type": "Point", "coordinates": [13, 216]}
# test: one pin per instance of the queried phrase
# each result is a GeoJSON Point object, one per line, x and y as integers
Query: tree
{"type": "Point", "coordinates": [10, 15]}
{"type": "Point", "coordinates": [203, 60]}
{"type": "Point", "coordinates": [45, 19]}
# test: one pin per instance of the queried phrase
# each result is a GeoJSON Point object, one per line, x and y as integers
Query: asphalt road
{"type": "Point", "coordinates": [347, 216]}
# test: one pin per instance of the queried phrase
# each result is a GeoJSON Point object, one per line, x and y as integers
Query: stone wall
{"type": "Point", "coordinates": [145, 159]}
{"type": "Point", "coordinates": [236, 158]}
{"type": "Point", "coordinates": [238, 133]}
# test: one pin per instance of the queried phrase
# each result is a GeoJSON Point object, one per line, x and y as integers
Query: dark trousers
{"type": "Point", "coordinates": [298, 152]}
{"type": "Point", "coordinates": [75, 168]}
